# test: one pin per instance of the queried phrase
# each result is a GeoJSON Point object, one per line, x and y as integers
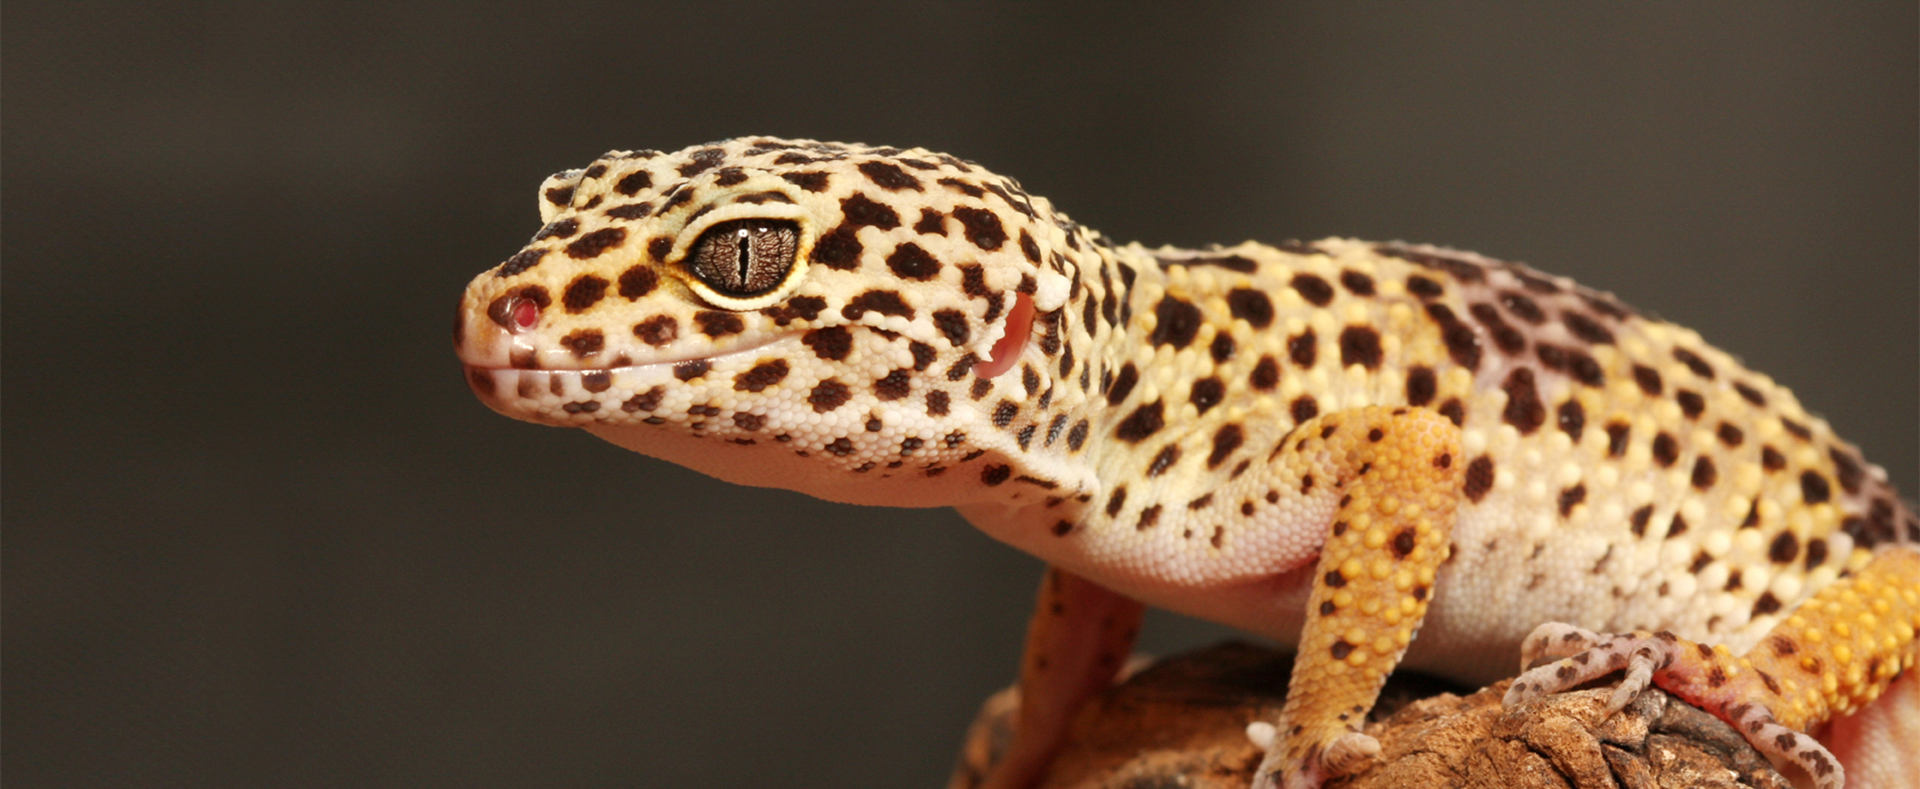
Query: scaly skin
{"type": "Point", "coordinates": [1333, 444]}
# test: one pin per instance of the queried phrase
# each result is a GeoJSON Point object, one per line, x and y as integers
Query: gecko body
{"type": "Point", "coordinates": [1334, 444]}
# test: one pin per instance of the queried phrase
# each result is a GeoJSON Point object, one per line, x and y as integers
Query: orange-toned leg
{"type": "Point", "coordinates": [1398, 471]}
{"type": "Point", "coordinates": [1077, 642]}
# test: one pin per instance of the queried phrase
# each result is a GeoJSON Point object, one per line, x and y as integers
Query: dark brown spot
{"type": "Point", "coordinates": [1403, 543]}
{"type": "Point", "coordinates": [828, 395]}
{"type": "Point", "coordinates": [718, 324]}
{"type": "Point", "coordinates": [703, 159]}
{"type": "Point", "coordinates": [1303, 348]}
{"type": "Point", "coordinates": [1454, 411]}
{"type": "Point", "coordinates": [1767, 604]}
{"type": "Point", "coordinates": [991, 475]}
{"type": "Point", "coordinates": [1648, 379]}
{"type": "Point", "coordinates": [1314, 289]}
{"type": "Point", "coordinates": [1750, 394]}
{"type": "Point", "coordinates": [1207, 393]}
{"type": "Point", "coordinates": [584, 342]}
{"type": "Point", "coordinates": [1251, 306]}
{"type": "Point", "coordinates": [1522, 307]}
{"type": "Point", "coordinates": [749, 422]}
{"type": "Point", "coordinates": [894, 386]}
{"type": "Point", "coordinates": [1730, 435]}
{"type": "Point", "coordinates": [645, 401]}
{"type": "Point", "coordinates": [564, 228]}
{"type": "Point", "coordinates": [1666, 450]}
{"type": "Point", "coordinates": [911, 262]}
{"type": "Point", "coordinates": [593, 244]}
{"type": "Point", "coordinates": [1814, 488]}
{"type": "Point", "coordinates": [839, 249]}
{"type": "Point", "coordinates": [560, 195]}
{"type": "Point", "coordinates": [1334, 579]}
{"type": "Point", "coordinates": [1360, 345]}
{"type": "Point", "coordinates": [1785, 548]}
{"type": "Point", "coordinates": [1693, 362]}
{"type": "Point", "coordinates": [888, 176]}
{"type": "Point", "coordinates": [1148, 518]}
{"type": "Point", "coordinates": [1060, 528]}
{"type": "Point", "coordinates": [1176, 323]}
{"type": "Point", "coordinates": [1700, 562]}
{"type": "Point", "coordinates": [1162, 460]}
{"type": "Point", "coordinates": [762, 375]}
{"type": "Point", "coordinates": [1421, 385]}
{"type": "Point", "coordinates": [1303, 408]}
{"type": "Point", "coordinates": [1463, 344]}
{"type": "Point", "coordinates": [1571, 497]}
{"type": "Point", "coordinates": [1123, 384]}
{"type": "Point", "coordinates": [981, 226]}
{"type": "Point", "coordinates": [1424, 288]}
{"type": "Point", "coordinates": [1222, 348]}
{"type": "Point", "coordinates": [1691, 403]}
{"type": "Point", "coordinates": [1617, 433]}
{"type": "Point", "coordinates": [657, 330]}
{"type": "Point", "coordinates": [832, 343]}
{"type": "Point", "coordinates": [1225, 440]}
{"type": "Point", "coordinates": [1639, 520]}
{"type": "Point", "coordinates": [1524, 410]}
{"type": "Point", "coordinates": [1816, 553]}
{"type": "Point", "coordinates": [1505, 337]}
{"type": "Point", "coordinates": [1030, 249]}
{"type": "Point", "coordinates": [1676, 527]}
{"type": "Point", "coordinates": [1584, 369]}
{"type": "Point", "coordinates": [521, 261]}
{"type": "Point", "coordinates": [1479, 478]}
{"type": "Point", "coordinates": [1704, 474]}
{"type": "Point", "coordinates": [1846, 469]}
{"type": "Point", "coordinates": [1077, 435]}
{"type": "Point", "coordinates": [1201, 502]}
{"type": "Point", "coordinates": [1771, 459]}
{"type": "Point", "coordinates": [633, 182]}
{"type": "Point", "coordinates": [689, 370]}
{"type": "Point", "coordinates": [1266, 374]}
{"type": "Point", "coordinates": [1357, 283]}
{"type": "Point", "coordinates": [1572, 418]}
{"type": "Point", "coordinates": [861, 211]}
{"type": "Point", "coordinates": [1585, 328]}
{"type": "Point", "coordinates": [885, 302]}
{"type": "Point", "coordinates": [637, 281]}
{"type": "Point", "coordinates": [1003, 414]}
{"type": "Point", "coordinates": [1143, 422]}
{"type": "Point", "coordinates": [810, 181]}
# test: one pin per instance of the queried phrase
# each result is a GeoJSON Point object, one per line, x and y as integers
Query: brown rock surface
{"type": "Point", "coordinates": [1181, 722]}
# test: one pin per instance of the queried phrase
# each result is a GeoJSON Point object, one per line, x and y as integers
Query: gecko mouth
{"type": "Point", "coordinates": [596, 394]}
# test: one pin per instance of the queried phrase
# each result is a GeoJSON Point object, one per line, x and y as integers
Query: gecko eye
{"type": "Point", "coordinates": [745, 257]}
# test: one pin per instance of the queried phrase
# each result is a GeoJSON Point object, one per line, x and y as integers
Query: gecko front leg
{"type": "Point", "coordinates": [1398, 474]}
{"type": "Point", "coordinates": [1077, 642]}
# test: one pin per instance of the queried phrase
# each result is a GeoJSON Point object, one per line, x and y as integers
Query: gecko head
{"type": "Point", "coordinates": [836, 302]}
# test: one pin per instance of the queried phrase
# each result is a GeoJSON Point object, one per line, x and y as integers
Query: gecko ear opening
{"type": "Point", "coordinates": [1008, 348]}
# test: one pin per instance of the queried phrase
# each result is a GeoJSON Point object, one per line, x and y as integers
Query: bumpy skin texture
{"type": "Point", "coordinates": [1193, 429]}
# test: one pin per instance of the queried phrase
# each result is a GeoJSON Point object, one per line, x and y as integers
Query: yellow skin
{"type": "Point", "coordinates": [1334, 444]}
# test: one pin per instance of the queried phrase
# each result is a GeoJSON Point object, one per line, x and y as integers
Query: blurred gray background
{"type": "Point", "coordinates": [258, 533]}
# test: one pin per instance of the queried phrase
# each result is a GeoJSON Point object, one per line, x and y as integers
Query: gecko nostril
{"type": "Point", "coordinates": [525, 314]}
{"type": "Point", "coordinates": [516, 312]}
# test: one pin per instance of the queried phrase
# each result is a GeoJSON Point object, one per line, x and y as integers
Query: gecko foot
{"type": "Point", "coordinates": [1346, 754]}
{"type": "Point", "coordinates": [1702, 675]}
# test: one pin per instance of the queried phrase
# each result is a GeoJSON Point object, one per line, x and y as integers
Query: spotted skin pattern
{"type": "Point", "coordinates": [1333, 444]}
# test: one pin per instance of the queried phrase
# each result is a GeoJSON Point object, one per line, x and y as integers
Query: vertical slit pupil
{"type": "Point", "coordinates": [745, 240]}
